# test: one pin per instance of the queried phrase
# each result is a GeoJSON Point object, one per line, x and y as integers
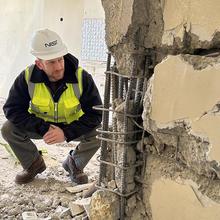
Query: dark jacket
{"type": "Point", "coordinates": [17, 103]}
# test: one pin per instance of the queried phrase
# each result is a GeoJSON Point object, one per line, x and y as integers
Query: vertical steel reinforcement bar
{"type": "Point", "coordinates": [131, 91]}
{"type": "Point", "coordinates": [130, 88]}
{"type": "Point", "coordinates": [105, 119]}
{"type": "Point", "coordinates": [114, 87]}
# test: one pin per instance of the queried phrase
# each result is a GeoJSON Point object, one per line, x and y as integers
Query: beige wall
{"type": "Point", "coordinates": [178, 201]}
{"type": "Point", "coordinates": [196, 16]}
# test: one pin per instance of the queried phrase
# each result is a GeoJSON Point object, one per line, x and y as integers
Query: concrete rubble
{"type": "Point", "coordinates": [28, 199]}
{"type": "Point", "coordinates": [178, 125]}
{"type": "Point", "coordinates": [48, 196]}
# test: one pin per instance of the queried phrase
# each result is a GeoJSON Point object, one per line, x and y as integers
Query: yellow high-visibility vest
{"type": "Point", "coordinates": [66, 110]}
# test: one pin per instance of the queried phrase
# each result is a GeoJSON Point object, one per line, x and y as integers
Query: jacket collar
{"type": "Point", "coordinates": [71, 65]}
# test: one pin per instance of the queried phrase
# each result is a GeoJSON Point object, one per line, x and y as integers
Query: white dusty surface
{"type": "Point", "coordinates": [46, 195]}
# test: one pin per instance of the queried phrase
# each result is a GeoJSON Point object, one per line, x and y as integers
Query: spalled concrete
{"type": "Point", "coordinates": [190, 22]}
{"type": "Point", "coordinates": [182, 116]}
{"type": "Point", "coordinates": [128, 33]}
{"type": "Point", "coordinates": [180, 91]}
{"type": "Point", "coordinates": [178, 100]}
{"type": "Point", "coordinates": [130, 155]}
{"type": "Point", "coordinates": [181, 105]}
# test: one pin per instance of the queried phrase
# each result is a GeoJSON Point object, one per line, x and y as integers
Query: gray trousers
{"type": "Point", "coordinates": [26, 151]}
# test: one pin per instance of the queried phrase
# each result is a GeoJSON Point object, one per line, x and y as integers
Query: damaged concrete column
{"type": "Point", "coordinates": [181, 106]}
{"type": "Point", "coordinates": [122, 19]}
{"type": "Point", "coordinates": [128, 33]}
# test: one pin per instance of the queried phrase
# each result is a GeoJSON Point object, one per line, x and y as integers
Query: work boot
{"type": "Point", "coordinates": [76, 175]}
{"type": "Point", "coordinates": [27, 175]}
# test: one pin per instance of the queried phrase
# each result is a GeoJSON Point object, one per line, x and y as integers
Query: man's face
{"type": "Point", "coordinates": [53, 68]}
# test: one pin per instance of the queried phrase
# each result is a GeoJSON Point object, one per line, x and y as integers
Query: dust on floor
{"type": "Point", "coordinates": [47, 195]}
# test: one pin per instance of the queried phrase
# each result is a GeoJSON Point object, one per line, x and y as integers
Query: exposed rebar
{"type": "Point", "coordinates": [126, 137]}
{"type": "Point", "coordinates": [121, 87]}
{"type": "Point", "coordinates": [100, 107]}
{"type": "Point", "coordinates": [114, 83]}
{"type": "Point", "coordinates": [105, 120]}
{"type": "Point", "coordinates": [131, 90]}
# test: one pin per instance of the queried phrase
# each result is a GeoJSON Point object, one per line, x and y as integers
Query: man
{"type": "Point", "coordinates": [53, 100]}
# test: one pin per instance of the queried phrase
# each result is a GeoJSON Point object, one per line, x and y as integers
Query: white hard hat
{"type": "Point", "coordinates": [47, 45]}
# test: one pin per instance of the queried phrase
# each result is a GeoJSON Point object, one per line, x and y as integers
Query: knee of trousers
{"type": "Point", "coordinates": [7, 129]}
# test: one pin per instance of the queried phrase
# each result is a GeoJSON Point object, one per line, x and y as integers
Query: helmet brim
{"type": "Point", "coordinates": [50, 56]}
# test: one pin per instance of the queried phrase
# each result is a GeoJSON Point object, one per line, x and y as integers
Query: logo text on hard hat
{"type": "Point", "coordinates": [51, 44]}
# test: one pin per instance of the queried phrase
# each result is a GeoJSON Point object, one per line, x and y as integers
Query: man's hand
{"type": "Point", "coordinates": [54, 135]}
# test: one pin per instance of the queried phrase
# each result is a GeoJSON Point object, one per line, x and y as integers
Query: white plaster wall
{"type": "Point", "coordinates": [71, 11]}
{"type": "Point", "coordinates": [93, 9]}
{"type": "Point", "coordinates": [20, 18]}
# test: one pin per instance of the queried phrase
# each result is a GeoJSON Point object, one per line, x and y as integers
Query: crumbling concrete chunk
{"type": "Point", "coordinates": [75, 209]}
{"type": "Point", "coordinates": [31, 215]}
{"type": "Point", "coordinates": [79, 188]}
{"type": "Point", "coordinates": [105, 205]}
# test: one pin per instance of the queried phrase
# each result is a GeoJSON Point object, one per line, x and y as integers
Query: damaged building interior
{"type": "Point", "coordinates": [159, 137]}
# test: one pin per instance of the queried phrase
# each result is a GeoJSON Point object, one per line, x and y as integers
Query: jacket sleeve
{"type": "Point", "coordinates": [91, 118]}
{"type": "Point", "coordinates": [16, 108]}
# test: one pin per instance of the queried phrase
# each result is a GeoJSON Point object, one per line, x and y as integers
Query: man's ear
{"type": "Point", "coordinates": [39, 64]}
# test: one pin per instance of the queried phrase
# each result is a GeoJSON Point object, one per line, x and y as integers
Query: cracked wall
{"type": "Point", "coordinates": [128, 33]}
{"type": "Point", "coordinates": [181, 105]}
{"type": "Point", "coordinates": [182, 116]}
{"type": "Point", "coordinates": [200, 20]}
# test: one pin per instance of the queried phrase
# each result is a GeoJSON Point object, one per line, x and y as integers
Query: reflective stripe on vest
{"type": "Point", "coordinates": [42, 105]}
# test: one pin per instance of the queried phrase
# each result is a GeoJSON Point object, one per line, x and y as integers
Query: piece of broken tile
{"type": "Point", "coordinates": [30, 215]}
{"type": "Point", "coordinates": [76, 209]}
{"type": "Point", "coordinates": [78, 188]}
